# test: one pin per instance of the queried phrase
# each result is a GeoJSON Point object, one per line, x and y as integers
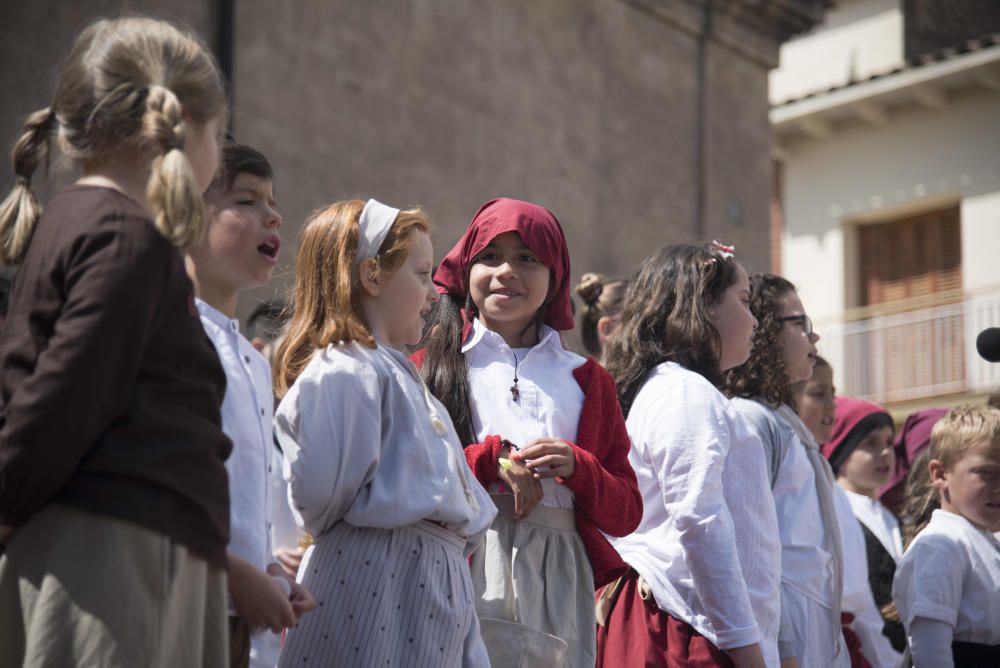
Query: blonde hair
{"type": "Point", "coordinates": [126, 83]}
{"type": "Point", "coordinates": [601, 298]}
{"type": "Point", "coordinates": [961, 429]}
{"type": "Point", "coordinates": [326, 304]}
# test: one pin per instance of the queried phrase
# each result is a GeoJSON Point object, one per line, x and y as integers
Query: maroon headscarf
{"type": "Point", "coordinates": [539, 230]}
{"type": "Point", "coordinates": [910, 442]}
{"type": "Point", "coordinates": [855, 419]}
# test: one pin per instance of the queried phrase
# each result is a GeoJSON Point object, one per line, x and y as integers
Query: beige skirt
{"type": "Point", "coordinates": [535, 590]}
{"type": "Point", "coordinates": [81, 589]}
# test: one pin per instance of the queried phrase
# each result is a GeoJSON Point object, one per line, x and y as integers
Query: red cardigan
{"type": "Point", "coordinates": [607, 496]}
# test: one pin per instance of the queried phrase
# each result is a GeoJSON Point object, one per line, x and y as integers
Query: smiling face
{"type": "Point", "coordinates": [734, 322]}
{"type": "Point", "coordinates": [799, 346]}
{"type": "Point", "coordinates": [971, 487]}
{"type": "Point", "coordinates": [816, 401]}
{"type": "Point", "coordinates": [509, 284]}
{"type": "Point", "coordinates": [405, 296]}
{"type": "Point", "coordinates": [870, 464]}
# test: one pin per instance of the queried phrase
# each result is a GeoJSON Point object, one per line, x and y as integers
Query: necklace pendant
{"type": "Point", "coordinates": [514, 392]}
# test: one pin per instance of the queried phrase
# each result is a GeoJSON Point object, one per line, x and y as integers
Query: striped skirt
{"type": "Point", "coordinates": [400, 597]}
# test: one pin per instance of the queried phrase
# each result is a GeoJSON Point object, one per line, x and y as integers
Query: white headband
{"type": "Point", "coordinates": [375, 221]}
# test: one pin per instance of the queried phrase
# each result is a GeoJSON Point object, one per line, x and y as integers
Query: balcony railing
{"type": "Point", "coordinates": [916, 354]}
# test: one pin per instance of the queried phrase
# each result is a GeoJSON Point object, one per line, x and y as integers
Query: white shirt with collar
{"type": "Point", "coordinates": [550, 400]}
{"type": "Point", "coordinates": [708, 544]}
{"type": "Point", "coordinates": [951, 573]}
{"type": "Point", "coordinates": [358, 432]}
{"type": "Point", "coordinates": [247, 419]}
{"type": "Point", "coordinates": [879, 520]}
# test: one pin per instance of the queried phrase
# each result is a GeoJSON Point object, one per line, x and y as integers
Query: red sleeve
{"type": "Point", "coordinates": [482, 458]}
{"type": "Point", "coordinates": [604, 482]}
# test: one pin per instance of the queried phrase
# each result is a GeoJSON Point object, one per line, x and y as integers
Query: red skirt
{"type": "Point", "coordinates": [638, 633]}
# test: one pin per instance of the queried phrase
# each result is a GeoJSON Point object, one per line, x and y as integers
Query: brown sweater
{"type": "Point", "coordinates": [109, 389]}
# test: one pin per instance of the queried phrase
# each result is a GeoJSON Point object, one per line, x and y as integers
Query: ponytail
{"type": "Point", "coordinates": [172, 192]}
{"type": "Point", "coordinates": [20, 211]}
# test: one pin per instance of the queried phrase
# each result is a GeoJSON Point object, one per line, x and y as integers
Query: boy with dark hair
{"type": "Point", "coordinates": [239, 252]}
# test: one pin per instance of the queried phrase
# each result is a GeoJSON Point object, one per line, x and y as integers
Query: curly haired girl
{"type": "Point", "coordinates": [817, 528]}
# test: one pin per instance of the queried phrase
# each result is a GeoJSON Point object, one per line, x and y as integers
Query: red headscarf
{"type": "Point", "coordinates": [855, 419]}
{"type": "Point", "coordinates": [910, 443]}
{"type": "Point", "coordinates": [538, 229]}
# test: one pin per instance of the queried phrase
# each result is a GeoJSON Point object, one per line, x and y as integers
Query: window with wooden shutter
{"type": "Point", "coordinates": [906, 334]}
{"type": "Point", "coordinates": [916, 258]}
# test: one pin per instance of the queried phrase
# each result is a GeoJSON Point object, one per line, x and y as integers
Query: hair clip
{"type": "Point", "coordinates": [723, 250]}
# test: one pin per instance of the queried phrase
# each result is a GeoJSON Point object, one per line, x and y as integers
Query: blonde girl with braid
{"type": "Point", "coordinates": [114, 503]}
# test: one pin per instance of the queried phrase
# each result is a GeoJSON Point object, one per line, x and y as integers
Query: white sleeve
{"type": "Point", "coordinates": [930, 643]}
{"type": "Point", "coordinates": [331, 438]}
{"type": "Point", "coordinates": [688, 447]}
{"type": "Point", "coordinates": [928, 581]}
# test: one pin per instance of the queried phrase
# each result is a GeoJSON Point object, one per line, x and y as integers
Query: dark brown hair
{"type": "Point", "coordinates": [764, 374]}
{"type": "Point", "coordinates": [235, 160]}
{"type": "Point", "coordinates": [667, 316]}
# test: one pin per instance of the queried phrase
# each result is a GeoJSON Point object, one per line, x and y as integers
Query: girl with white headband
{"type": "Point", "coordinates": [375, 469]}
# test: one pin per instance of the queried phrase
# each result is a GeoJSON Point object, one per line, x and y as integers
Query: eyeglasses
{"type": "Point", "coordinates": [803, 319]}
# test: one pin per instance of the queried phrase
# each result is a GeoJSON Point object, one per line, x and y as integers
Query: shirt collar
{"type": "Point", "coordinates": [217, 317]}
{"type": "Point", "coordinates": [483, 335]}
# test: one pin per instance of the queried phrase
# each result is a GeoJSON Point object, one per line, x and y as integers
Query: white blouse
{"type": "Point", "coordinates": [882, 523]}
{"type": "Point", "coordinates": [708, 544]}
{"type": "Point", "coordinates": [247, 411]}
{"type": "Point", "coordinates": [549, 403]}
{"type": "Point", "coordinates": [951, 573]}
{"type": "Point", "coordinates": [360, 447]}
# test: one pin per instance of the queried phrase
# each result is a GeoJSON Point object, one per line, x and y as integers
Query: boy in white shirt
{"type": "Point", "coordinates": [239, 251]}
{"type": "Point", "coordinates": [947, 585]}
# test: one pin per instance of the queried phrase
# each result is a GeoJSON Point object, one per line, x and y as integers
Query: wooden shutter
{"type": "Point", "coordinates": [911, 259]}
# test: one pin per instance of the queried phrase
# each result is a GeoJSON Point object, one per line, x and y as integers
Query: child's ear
{"type": "Point", "coordinates": [369, 277]}
{"type": "Point", "coordinates": [938, 474]}
{"type": "Point", "coordinates": [604, 327]}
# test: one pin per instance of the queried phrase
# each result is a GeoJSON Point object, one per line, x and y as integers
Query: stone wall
{"type": "Point", "coordinates": [616, 114]}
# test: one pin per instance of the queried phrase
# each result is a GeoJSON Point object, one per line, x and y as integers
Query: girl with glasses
{"type": "Point", "coordinates": [823, 572]}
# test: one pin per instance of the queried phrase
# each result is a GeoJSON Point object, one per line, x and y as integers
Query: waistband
{"type": "Point", "coordinates": [546, 516]}
{"type": "Point", "coordinates": [974, 653]}
{"type": "Point", "coordinates": [437, 532]}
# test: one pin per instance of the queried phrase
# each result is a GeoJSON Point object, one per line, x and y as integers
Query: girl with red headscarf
{"type": "Point", "coordinates": [542, 430]}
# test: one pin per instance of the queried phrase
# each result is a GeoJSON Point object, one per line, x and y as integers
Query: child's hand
{"type": "Point", "coordinates": [555, 453]}
{"type": "Point", "coordinates": [289, 558]}
{"type": "Point", "coordinates": [300, 598]}
{"type": "Point", "coordinates": [258, 598]}
{"type": "Point", "coordinates": [527, 490]}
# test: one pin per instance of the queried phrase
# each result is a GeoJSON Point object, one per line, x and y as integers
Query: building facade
{"type": "Point", "coordinates": [638, 122]}
{"type": "Point", "coordinates": [887, 148]}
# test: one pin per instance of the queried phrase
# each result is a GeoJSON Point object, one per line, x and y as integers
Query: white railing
{"type": "Point", "coordinates": [916, 354]}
